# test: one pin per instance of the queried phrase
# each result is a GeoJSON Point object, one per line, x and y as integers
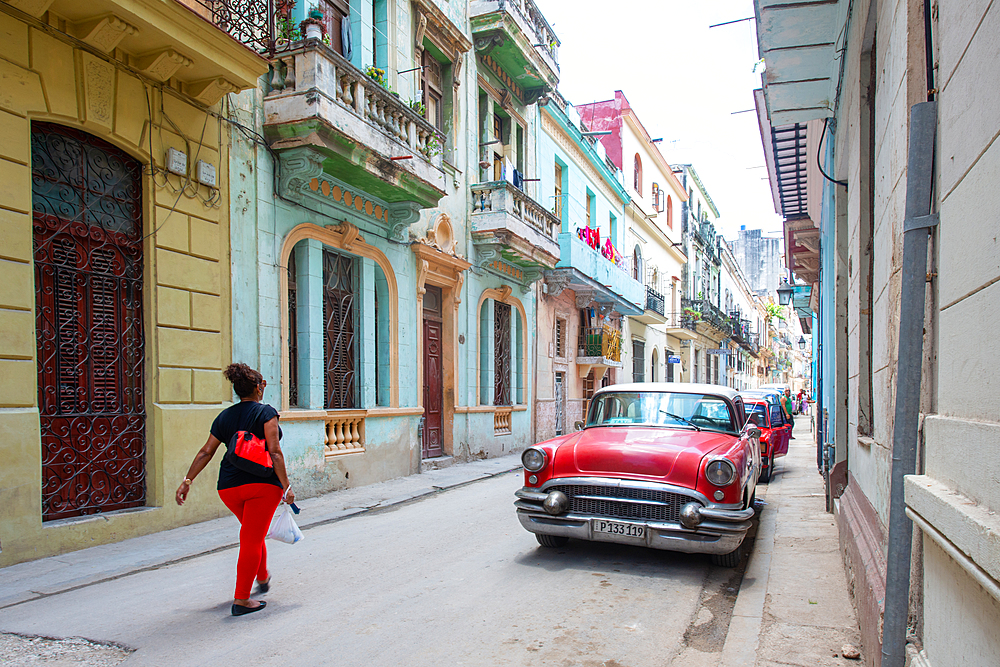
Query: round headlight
{"type": "Point", "coordinates": [720, 472]}
{"type": "Point", "coordinates": [533, 459]}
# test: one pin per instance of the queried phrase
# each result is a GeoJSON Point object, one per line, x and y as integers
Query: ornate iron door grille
{"type": "Point", "coordinates": [501, 353]}
{"type": "Point", "coordinates": [338, 316]}
{"type": "Point", "coordinates": [87, 233]}
{"type": "Point", "coordinates": [293, 333]}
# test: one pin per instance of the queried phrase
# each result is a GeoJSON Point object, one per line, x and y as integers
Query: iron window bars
{"type": "Point", "coordinates": [88, 263]}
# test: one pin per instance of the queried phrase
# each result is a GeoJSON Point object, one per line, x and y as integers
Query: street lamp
{"type": "Point", "coordinates": [785, 293]}
{"type": "Point", "coordinates": [802, 342]}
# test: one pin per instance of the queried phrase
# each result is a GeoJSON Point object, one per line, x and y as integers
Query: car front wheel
{"type": "Point", "coordinates": [765, 474]}
{"type": "Point", "coordinates": [731, 559]}
{"type": "Point", "coordinates": [551, 541]}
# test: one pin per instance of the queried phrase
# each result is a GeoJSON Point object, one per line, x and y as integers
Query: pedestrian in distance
{"type": "Point", "coordinates": [788, 406]}
{"type": "Point", "coordinates": [252, 498]}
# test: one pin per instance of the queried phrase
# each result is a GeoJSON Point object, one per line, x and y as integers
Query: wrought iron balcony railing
{"type": "Point", "coordinates": [709, 313]}
{"type": "Point", "coordinates": [253, 23]}
{"type": "Point", "coordinates": [601, 342]}
{"type": "Point", "coordinates": [654, 300]}
{"type": "Point", "coordinates": [683, 320]}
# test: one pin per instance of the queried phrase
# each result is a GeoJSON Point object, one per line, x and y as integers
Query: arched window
{"type": "Point", "coordinates": [86, 201]}
{"type": "Point", "coordinates": [337, 300]}
{"type": "Point", "coordinates": [502, 323]}
{"type": "Point", "coordinates": [670, 212]}
{"type": "Point", "coordinates": [637, 263]}
{"type": "Point", "coordinates": [637, 175]}
{"type": "Point", "coordinates": [655, 362]}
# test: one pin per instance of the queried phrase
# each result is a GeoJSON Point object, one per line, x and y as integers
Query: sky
{"type": "Point", "coordinates": [684, 81]}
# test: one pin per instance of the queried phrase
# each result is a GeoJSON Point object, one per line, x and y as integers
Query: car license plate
{"type": "Point", "coordinates": [618, 528]}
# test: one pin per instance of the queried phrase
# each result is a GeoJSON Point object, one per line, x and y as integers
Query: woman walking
{"type": "Point", "coordinates": [251, 498]}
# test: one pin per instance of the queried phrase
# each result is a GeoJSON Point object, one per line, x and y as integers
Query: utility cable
{"type": "Point", "coordinates": [819, 149]}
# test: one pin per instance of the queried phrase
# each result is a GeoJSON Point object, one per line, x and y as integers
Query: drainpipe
{"type": "Point", "coordinates": [916, 231]}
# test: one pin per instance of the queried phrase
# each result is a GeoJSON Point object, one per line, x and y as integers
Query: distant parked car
{"type": "Point", "coordinates": [663, 465]}
{"type": "Point", "coordinates": [775, 435]}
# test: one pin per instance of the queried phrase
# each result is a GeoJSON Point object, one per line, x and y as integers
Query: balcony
{"type": "Point", "coordinates": [708, 315]}
{"type": "Point", "coordinates": [509, 227]}
{"type": "Point", "coordinates": [162, 41]}
{"type": "Point", "coordinates": [682, 325]}
{"type": "Point", "coordinates": [600, 348]}
{"type": "Point", "coordinates": [338, 131]}
{"type": "Point", "coordinates": [517, 44]}
{"type": "Point", "coordinates": [595, 278]}
{"type": "Point", "coordinates": [654, 312]}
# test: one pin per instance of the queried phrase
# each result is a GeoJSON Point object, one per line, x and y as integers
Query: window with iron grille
{"type": "Point", "coordinates": [501, 354]}
{"type": "Point", "coordinates": [293, 338]}
{"type": "Point", "coordinates": [638, 361]}
{"type": "Point", "coordinates": [88, 263]}
{"type": "Point", "coordinates": [339, 345]}
{"type": "Point", "coordinates": [560, 337]}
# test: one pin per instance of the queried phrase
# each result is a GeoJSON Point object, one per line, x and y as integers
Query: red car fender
{"type": "Point", "coordinates": [740, 454]}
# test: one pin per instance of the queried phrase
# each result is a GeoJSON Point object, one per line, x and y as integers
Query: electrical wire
{"type": "Point", "coordinates": [819, 149]}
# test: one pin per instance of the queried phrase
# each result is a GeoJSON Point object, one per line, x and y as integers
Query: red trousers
{"type": "Point", "coordinates": [253, 505]}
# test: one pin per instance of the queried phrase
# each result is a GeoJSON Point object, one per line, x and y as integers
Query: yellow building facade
{"type": "Point", "coordinates": [114, 265]}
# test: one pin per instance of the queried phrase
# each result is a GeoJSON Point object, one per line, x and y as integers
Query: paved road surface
{"type": "Point", "coordinates": [451, 579]}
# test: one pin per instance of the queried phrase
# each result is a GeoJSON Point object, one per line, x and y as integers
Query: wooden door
{"type": "Point", "coordinates": [433, 434]}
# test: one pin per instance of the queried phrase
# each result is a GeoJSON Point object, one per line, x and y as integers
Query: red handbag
{"type": "Point", "coordinates": [249, 453]}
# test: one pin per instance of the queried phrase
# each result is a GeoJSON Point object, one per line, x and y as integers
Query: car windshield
{"type": "Point", "coordinates": [658, 408]}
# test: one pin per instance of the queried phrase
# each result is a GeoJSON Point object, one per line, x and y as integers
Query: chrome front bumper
{"type": "Point", "coordinates": [720, 531]}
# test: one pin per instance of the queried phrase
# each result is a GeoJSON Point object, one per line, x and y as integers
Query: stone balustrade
{"type": "Point", "coordinates": [501, 420]}
{"type": "Point", "coordinates": [345, 433]}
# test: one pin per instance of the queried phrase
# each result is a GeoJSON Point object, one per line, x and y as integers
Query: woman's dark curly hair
{"type": "Point", "coordinates": [244, 379]}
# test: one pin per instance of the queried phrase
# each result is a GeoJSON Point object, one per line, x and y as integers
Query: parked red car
{"type": "Point", "coordinates": [663, 465]}
{"type": "Point", "coordinates": [775, 432]}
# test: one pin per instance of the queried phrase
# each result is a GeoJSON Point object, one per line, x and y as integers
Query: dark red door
{"type": "Point", "coordinates": [433, 441]}
{"type": "Point", "coordinates": [433, 397]}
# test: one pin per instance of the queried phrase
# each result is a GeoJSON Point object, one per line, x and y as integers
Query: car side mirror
{"type": "Point", "coordinates": [578, 425]}
{"type": "Point", "coordinates": [753, 432]}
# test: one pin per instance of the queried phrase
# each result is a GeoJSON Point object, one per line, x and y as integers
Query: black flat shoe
{"type": "Point", "coordinates": [264, 586]}
{"type": "Point", "coordinates": [240, 610]}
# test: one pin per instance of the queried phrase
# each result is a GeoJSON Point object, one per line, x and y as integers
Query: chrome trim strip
{"type": "Point", "coordinates": [615, 482]}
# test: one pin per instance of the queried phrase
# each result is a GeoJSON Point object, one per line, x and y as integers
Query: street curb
{"type": "Point", "coordinates": [36, 589]}
{"type": "Point", "coordinates": [743, 637]}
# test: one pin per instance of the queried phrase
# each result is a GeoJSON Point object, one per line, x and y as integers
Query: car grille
{"type": "Point", "coordinates": [623, 503]}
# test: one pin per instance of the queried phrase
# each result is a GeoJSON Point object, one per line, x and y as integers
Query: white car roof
{"type": "Point", "coordinates": [674, 387]}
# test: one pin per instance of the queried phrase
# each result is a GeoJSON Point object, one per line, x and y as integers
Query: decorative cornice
{"type": "Point", "coordinates": [556, 281]}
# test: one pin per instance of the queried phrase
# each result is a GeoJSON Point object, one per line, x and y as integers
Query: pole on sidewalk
{"type": "Point", "coordinates": [916, 230]}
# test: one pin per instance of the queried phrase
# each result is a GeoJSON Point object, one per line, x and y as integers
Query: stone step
{"type": "Point", "coordinates": [437, 463]}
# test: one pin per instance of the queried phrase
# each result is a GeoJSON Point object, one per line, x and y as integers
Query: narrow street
{"type": "Point", "coordinates": [452, 579]}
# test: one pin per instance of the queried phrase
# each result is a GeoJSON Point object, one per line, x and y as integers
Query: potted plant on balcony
{"type": "Point", "coordinates": [377, 74]}
{"type": "Point", "coordinates": [694, 315]}
{"type": "Point", "coordinates": [314, 27]}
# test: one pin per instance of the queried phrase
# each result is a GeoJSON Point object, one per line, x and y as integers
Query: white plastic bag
{"type": "Point", "coordinates": [283, 527]}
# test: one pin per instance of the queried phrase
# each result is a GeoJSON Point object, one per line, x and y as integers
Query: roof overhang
{"type": "Point", "coordinates": [798, 40]}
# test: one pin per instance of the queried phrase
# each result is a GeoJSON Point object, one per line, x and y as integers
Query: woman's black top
{"type": "Point", "coordinates": [244, 416]}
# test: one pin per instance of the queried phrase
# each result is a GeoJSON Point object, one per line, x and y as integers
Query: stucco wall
{"type": "Point", "coordinates": [186, 287]}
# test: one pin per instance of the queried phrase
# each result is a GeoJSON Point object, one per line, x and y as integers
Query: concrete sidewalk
{"type": "Point", "coordinates": [66, 572]}
{"type": "Point", "coordinates": [793, 606]}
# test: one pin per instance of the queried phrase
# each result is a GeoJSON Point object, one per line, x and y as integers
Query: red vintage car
{"type": "Point", "coordinates": [775, 431]}
{"type": "Point", "coordinates": [663, 465]}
